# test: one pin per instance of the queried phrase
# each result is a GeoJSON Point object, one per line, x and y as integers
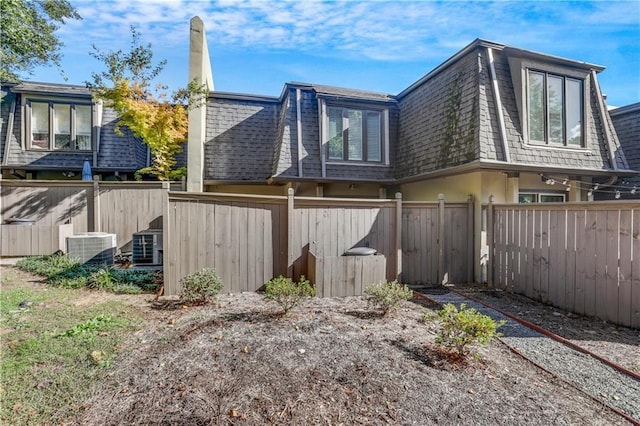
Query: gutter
{"type": "Point", "coordinates": [500, 166]}
{"type": "Point", "coordinates": [498, 105]}
{"type": "Point", "coordinates": [7, 142]}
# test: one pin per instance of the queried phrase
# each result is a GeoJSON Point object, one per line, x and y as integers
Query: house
{"type": "Point", "coordinates": [48, 131]}
{"type": "Point", "coordinates": [491, 120]}
{"type": "Point", "coordinates": [626, 121]}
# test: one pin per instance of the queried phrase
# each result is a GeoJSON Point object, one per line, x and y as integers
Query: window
{"type": "Point", "coordinates": [58, 125]}
{"type": "Point", "coordinates": [354, 134]}
{"type": "Point", "coordinates": [555, 109]}
{"type": "Point", "coordinates": [534, 197]}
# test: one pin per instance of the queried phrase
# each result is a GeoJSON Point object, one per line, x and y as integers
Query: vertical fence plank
{"type": "Point", "coordinates": [625, 296]}
{"type": "Point", "coordinates": [611, 281]}
{"type": "Point", "coordinates": [635, 272]}
{"type": "Point", "coordinates": [570, 261]}
{"type": "Point", "coordinates": [602, 246]}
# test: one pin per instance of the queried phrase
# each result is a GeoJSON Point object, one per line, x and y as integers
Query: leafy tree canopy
{"type": "Point", "coordinates": [27, 28]}
{"type": "Point", "coordinates": [159, 121]}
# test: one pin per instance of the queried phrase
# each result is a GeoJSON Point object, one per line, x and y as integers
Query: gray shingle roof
{"type": "Point", "coordinates": [122, 153]}
{"type": "Point", "coordinates": [446, 119]}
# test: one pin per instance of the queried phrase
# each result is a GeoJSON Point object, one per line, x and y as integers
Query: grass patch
{"type": "Point", "coordinates": [53, 351]}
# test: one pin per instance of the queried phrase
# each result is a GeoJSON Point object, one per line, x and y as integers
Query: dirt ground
{"type": "Point", "coordinates": [620, 345]}
{"type": "Point", "coordinates": [332, 361]}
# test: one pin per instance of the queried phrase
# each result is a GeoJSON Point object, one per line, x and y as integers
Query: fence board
{"type": "Point", "coordinates": [585, 256]}
{"type": "Point", "coordinates": [635, 270]}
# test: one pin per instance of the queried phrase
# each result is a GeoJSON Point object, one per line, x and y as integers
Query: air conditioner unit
{"type": "Point", "coordinates": [147, 247]}
{"type": "Point", "coordinates": [92, 247]}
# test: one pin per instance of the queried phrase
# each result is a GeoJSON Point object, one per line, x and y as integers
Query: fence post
{"type": "Point", "coordinates": [442, 275]}
{"type": "Point", "coordinates": [398, 266]}
{"type": "Point", "coordinates": [470, 241]}
{"type": "Point", "coordinates": [290, 230]}
{"type": "Point", "coordinates": [168, 267]}
{"type": "Point", "coordinates": [490, 242]}
{"type": "Point", "coordinates": [93, 207]}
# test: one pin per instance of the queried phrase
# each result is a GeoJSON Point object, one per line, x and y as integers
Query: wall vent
{"type": "Point", "coordinates": [92, 247]}
{"type": "Point", "coordinates": [147, 247]}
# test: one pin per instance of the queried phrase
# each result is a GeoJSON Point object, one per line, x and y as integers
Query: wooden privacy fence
{"type": "Point", "coordinates": [581, 257]}
{"type": "Point", "coordinates": [120, 208]}
{"type": "Point", "coordinates": [251, 239]}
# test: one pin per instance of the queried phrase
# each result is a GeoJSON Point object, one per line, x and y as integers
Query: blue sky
{"type": "Point", "coordinates": [256, 46]}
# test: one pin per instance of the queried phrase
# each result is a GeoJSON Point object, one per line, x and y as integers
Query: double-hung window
{"type": "Point", "coordinates": [53, 125]}
{"type": "Point", "coordinates": [555, 109]}
{"type": "Point", "coordinates": [354, 134]}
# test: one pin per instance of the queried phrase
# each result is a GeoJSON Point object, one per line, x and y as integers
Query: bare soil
{"type": "Point", "coordinates": [332, 361]}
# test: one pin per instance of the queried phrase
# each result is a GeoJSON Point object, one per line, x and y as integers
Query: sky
{"type": "Point", "coordinates": [256, 46]}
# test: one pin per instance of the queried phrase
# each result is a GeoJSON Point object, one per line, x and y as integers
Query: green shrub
{"type": "Point", "coordinates": [387, 296]}
{"type": "Point", "coordinates": [287, 293]}
{"type": "Point", "coordinates": [200, 287]}
{"type": "Point", "coordinates": [462, 327]}
{"type": "Point", "coordinates": [65, 272]}
{"type": "Point", "coordinates": [47, 265]}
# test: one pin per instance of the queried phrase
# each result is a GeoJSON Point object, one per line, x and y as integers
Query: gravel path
{"type": "Point", "coordinates": [583, 371]}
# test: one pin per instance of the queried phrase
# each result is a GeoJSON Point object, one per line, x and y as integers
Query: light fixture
{"type": "Point", "coordinates": [617, 194]}
{"type": "Point", "coordinates": [633, 190]}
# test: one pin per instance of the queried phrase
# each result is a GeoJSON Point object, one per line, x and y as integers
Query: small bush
{"type": "Point", "coordinates": [387, 296]}
{"type": "Point", "coordinates": [200, 287]}
{"type": "Point", "coordinates": [462, 327]}
{"type": "Point", "coordinates": [287, 293]}
{"type": "Point", "coordinates": [47, 265]}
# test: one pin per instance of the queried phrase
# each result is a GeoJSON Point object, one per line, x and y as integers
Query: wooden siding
{"type": "Point", "coordinates": [49, 202]}
{"type": "Point", "coordinates": [424, 260]}
{"type": "Point", "coordinates": [243, 238]}
{"type": "Point", "coordinates": [329, 227]}
{"type": "Point", "coordinates": [581, 257]}
{"type": "Point", "coordinates": [30, 240]}
{"type": "Point", "coordinates": [340, 276]}
{"type": "Point", "coordinates": [120, 208]}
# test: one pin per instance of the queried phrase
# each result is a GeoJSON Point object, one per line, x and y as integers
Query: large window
{"type": "Point", "coordinates": [58, 126]}
{"type": "Point", "coordinates": [555, 106]}
{"type": "Point", "coordinates": [354, 134]}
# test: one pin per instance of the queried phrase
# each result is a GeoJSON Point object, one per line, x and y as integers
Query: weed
{"type": "Point", "coordinates": [45, 378]}
{"type": "Point", "coordinates": [200, 287]}
{"type": "Point", "coordinates": [99, 323]}
{"type": "Point", "coordinates": [387, 296]}
{"type": "Point", "coordinates": [287, 293]}
{"type": "Point", "coordinates": [462, 327]}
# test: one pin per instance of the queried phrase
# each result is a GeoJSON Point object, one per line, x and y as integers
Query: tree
{"type": "Point", "coordinates": [27, 28]}
{"type": "Point", "coordinates": [160, 122]}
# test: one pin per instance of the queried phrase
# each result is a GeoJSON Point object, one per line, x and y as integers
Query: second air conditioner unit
{"type": "Point", "coordinates": [147, 247]}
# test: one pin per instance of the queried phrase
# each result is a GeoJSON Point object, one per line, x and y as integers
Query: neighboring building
{"type": "Point", "coordinates": [626, 120]}
{"type": "Point", "coordinates": [491, 120]}
{"type": "Point", "coordinates": [48, 131]}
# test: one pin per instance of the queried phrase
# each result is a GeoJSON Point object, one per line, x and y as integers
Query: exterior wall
{"type": "Point", "coordinates": [240, 139]}
{"type": "Point", "coordinates": [594, 155]}
{"type": "Point", "coordinates": [439, 121]}
{"type": "Point", "coordinates": [287, 144]}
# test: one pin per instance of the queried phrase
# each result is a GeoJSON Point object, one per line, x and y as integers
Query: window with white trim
{"type": "Point", "coordinates": [57, 125]}
{"type": "Point", "coordinates": [555, 109]}
{"type": "Point", "coordinates": [355, 134]}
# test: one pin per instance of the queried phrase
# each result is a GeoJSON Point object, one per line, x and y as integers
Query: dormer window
{"type": "Point", "coordinates": [355, 134]}
{"type": "Point", "coordinates": [555, 109]}
{"type": "Point", "coordinates": [57, 125]}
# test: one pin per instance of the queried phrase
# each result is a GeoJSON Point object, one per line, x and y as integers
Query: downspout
{"type": "Point", "coordinates": [7, 141]}
{"type": "Point", "coordinates": [498, 105]}
{"type": "Point", "coordinates": [299, 129]}
{"type": "Point", "coordinates": [605, 125]}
